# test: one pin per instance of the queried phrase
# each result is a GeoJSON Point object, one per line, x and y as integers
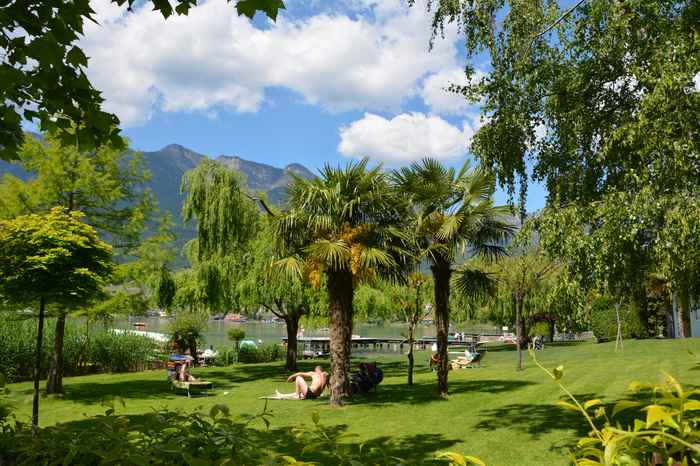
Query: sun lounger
{"type": "Point", "coordinates": [463, 363]}
{"type": "Point", "coordinates": [190, 386]}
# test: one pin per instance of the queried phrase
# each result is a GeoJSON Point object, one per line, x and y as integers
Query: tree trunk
{"type": "Point", "coordinates": [412, 322]}
{"type": "Point", "coordinates": [54, 382]}
{"type": "Point", "coordinates": [340, 294]}
{"type": "Point", "coordinates": [193, 351]}
{"type": "Point", "coordinates": [441, 276]}
{"type": "Point", "coordinates": [552, 327]}
{"type": "Point", "coordinates": [684, 314]}
{"type": "Point", "coordinates": [411, 329]}
{"type": "Point", "coordinates": [520, 330]}
{"type": "Point", "coordinates": [37, 368]}
{"type": "Point", "coordinates": [292, 329]}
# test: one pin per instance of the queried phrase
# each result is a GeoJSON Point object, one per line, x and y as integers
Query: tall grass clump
{"type": "Point", "coordinates": [86, 349]}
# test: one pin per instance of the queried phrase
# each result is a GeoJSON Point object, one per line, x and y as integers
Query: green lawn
{"type": "Point", "coordinates": [503, 417]}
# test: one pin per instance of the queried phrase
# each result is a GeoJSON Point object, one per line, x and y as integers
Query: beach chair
{"type": "Point", "coordinates": [199, 386]}
{"type": "Point", "coordinates": [173, 368]}
{"type": "Point", "coordinates": [464, 363]}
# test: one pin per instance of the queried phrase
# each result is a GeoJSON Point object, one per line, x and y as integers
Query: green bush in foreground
{"type": "Point", "coordinates": [196, 438]}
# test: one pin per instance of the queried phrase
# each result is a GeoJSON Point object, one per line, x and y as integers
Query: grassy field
{"type": "Point", "coordinates": [503, 417]}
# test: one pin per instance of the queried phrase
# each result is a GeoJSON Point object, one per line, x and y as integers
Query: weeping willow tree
{"type": "Point", "coordinates": [521, 279]}
{"type": "Point", "coordinates": [227, 219]}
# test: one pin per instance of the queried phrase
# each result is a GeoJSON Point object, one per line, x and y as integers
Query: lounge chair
{"type": "Point", "coordinates": [190, 386]}
{"type": "Point", "coordinates": [464, 363]}
{"type": "Point", "coordinates": [173, 369]}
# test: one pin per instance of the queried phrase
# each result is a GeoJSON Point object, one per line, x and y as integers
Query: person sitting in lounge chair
{"type": "Point", "coordinates": [183, 374]}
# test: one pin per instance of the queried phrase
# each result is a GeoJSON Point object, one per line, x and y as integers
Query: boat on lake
{"type": "Point", "coordinates": [235, 318]}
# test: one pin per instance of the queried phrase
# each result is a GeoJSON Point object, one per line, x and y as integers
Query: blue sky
{"type": "Point", "coordinates": [328, 82]}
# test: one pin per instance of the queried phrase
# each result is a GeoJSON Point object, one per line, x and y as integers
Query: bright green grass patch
{"type": "Point", "coordinates": [495, 413]}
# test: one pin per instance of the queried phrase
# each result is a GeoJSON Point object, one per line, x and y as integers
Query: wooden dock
{"type": "Point", "coordinates": [319, 346]}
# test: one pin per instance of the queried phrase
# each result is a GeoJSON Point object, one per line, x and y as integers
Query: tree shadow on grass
{"type": "Point", "coordinates": [144, 389]}
{"type": "Point", "coordinates": [537, 419]}
{"type": "Point", "coordinates": [243, 373]}
{"type": "Point", "coordinates": [426, 392]}
{"type": "Point", "coordinates": [412, 449]}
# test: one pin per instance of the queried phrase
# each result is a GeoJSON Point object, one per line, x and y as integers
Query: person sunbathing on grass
{"type": "Point", "coordinates": [303, 391]}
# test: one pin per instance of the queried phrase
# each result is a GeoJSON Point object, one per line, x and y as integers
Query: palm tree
{"type": "Point", "coordinates": [453, 216]}
{"type": "Point", "coordinates": [338, 230]}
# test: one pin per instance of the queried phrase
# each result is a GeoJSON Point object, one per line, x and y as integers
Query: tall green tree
{"type": "Point", "coordinates": [414, 304]}
{"type": "Point", "coordinates": [340, 227]}
{"type": "Point", "coordinates": [286, 296]}
{"type": "Point", "coordinates": [588, 92]}
{"type": "Point", "coordinates": [227, 220]}
{"type": "Point", "coordinates": [43, 70]}
{"type": "Point", "coordinates": [52, 259]}
{"type": "Point", "coordinates": [607, 245]}
{"type": "Point", "coordinates": [678, 247]}
{"type": "Point", "coordinates": [454, 216]}
{"type": "Point", "coordinates": [105, 184]}
{"type": "Point", "coordinates": [590, 96]}
{"type": "Point", "coordinates": [519, 278]}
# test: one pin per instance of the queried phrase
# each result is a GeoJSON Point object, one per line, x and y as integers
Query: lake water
{"type": "Point", "coordinates": [272, 333]}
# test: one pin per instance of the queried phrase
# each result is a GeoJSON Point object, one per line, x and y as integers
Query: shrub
{"type": "Point", "coordinates": [236, 334]}
{"type": "Point", "coordinates": [604, 320]}
{"type": "Point", "coordinates": [121, 352]}
{"type": "Point", "coordinates": [540, 328]}
{"type": "Point", "coordinates": [187, 332]}
{"type": "Point", "coordinates": [264, 353]}
{"type": "Point", "coordinates": [182, 438]}
{"type": "Point", "coordinates": [83, 351]}
{"type": "Point", "coordinates": [224, 357]}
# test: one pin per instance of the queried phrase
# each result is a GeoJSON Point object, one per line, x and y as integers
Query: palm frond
{"type": "Point", "coordinates": [291, 267]}
{"type": "Point", "coordinates": [374, 258]}
{"type": "Point", "coordinates": [450, 227]}
{"type": "Point", "coordinates": [335, 254]}
{"type": "Point", "coordinates": [473, 282]}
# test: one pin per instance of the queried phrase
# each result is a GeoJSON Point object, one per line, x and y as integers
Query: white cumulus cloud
{"type": "Point", "coordinates": [404, 138]}
{"type": "Point", "coordinates": [213, 59]}
{"type": "Point", "coordinates": [436, 95]}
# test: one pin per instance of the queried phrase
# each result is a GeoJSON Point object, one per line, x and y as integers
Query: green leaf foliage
{"type": "Point", "coordinates": [43, 70]}
{"type": "Point", "coordinates": [54, 256]}
{"type": "Point", "coordinates": [105, 184]}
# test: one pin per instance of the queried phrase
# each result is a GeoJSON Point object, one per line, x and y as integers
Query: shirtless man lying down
{"type": "Point", "coordinates": [302, 390]}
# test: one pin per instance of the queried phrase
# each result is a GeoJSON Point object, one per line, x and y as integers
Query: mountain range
{"type": "Point", "coordinates": [168, 164]}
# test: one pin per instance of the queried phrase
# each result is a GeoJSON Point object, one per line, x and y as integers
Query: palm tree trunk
{"type": "Point", "coordinates": [292, 323]}
{"type": "Point", "coordinates": [441, 276]}
{"type": "Point", "coordinates": [340, 294]}
{"type": "Point", "coordinates": [37, 367]}
{"type": "Point", "coordinates": [519, 329]}
{"type": "Point", "coordinates": [54, 382]}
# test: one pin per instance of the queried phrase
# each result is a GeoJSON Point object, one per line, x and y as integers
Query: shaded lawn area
{"type": "Point", "coordinates": [494, 413]}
